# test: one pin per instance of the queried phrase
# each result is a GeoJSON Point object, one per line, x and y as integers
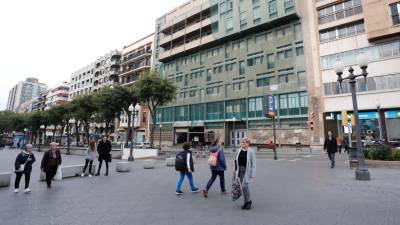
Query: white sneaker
{"type": "Point", "coordinates": [16, 190]}
{"type": "Point", "coordinates": [27, 190]}
{"type": "Point", "coordinates": [90, 175]}
{"type": "Point", "coordinates": [82, 175]}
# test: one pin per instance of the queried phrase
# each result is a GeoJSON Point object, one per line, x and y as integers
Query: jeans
{"type": "Point", "coordinates": [245, 186]}
{"type": "Point", "coordinates": [182, 176]}
{"type": "Point", "coordinates": [18, 179]}
{"type": "Point", "coordinates": [332, 158]}
{"type": "Point", "coordinates": [90, 162]}
{"type": "Point", "coordinates": [214, 175]}
{"type": "Point", "coordinates": [101, 162]}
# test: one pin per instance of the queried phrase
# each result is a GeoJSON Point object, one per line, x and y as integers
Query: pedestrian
{"type": "Point", "coordinates": [339, 141]}
{"type": "Point", "coordinates": [217, 151]}
{"type": "Point", "coordinates": [346, 143]}
{"type": "Point", "coordinates": [186, 168]}
{"type": "Point", "coordinates": [104, 149]}
{"type": "Point", "coordinates": [90, 156]}
{"type": "Point", "coordinates": [50, 162]}
{"type": "Point", "coordinates": [23, 166]}
{"type": "Point", "coordinates": [330, 146]}
{"type": "Point", "coordinates": [245, 167]}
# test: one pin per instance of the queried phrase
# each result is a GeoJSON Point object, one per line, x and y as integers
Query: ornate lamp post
{"type": "Point", "coordinates": [26, 135]}
{"type": "Point", "coordinates": [40, 136]}
{"type": "Point", "coordinates": [234, 133]}
{"type": "Point", "coordinates": [134, 111]}
{"type": "Point", "coordinates": [362, 172]}
{"type": "Point", "coordinates": [70, 123]}
{"type": "Point", "coordinates": [378, 108]}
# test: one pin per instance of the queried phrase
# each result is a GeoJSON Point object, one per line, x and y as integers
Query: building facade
{"type": "Point", "coordinates": [57, 95]}
{"type": "Point", "coordinates": [225, 56]}
{"type": "Point", "coordinates": [81, 81]}
{"type": "Point", "coordinates": [347, 29]}
{"type": "Point", "coordinates": [24, 91]}
{"type": "Point", "coordinates": [136, 59]}
{"type": "Point", "coordinates": [106, 70]}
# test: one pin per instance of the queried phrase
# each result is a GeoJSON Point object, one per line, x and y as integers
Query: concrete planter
{"type": "Point", "coordinates": [170, 161]}
{"type": "Point", "coordinates": [123, 166]}
{"type": "Point", "coordinates": [149, 164]}
{"type": "Point", "coordinates": [5, 179]}
{"type": "Point", "coordinates": [382, 164]}
{"type": "Point", "coordinates": [140, 153]}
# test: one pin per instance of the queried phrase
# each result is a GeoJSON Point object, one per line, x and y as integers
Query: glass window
{"type": "Point", "coordinates": [262, 82]}
{"type": "Point", "coordinates": [215, 111]}
{"type": "Point", "coordinates": [243, 20]}
{"type": "Point", "coordinates": [256, 15]}
{"type": "Point", "coordinates": [229, 25]}
{"type": "Point", "coordinates": [299, 51]}
{"type": "Point", "coordinates": [273, 10]}
{"type": "Point", "coordinates": [270, 61]}
{"type": "Point", "coordinates": [242, 68]}
{"type": "Point", "coordinates": [394, 12]}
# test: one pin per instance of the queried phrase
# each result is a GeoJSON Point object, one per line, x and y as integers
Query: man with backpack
{"type": "Point", "coordinates": [217, 166]}
{"type": "Point", "coordinates": [184, 164]}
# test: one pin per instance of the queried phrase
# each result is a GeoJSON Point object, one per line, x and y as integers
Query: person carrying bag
{"type": "Point", "coordinates": [23, 166]}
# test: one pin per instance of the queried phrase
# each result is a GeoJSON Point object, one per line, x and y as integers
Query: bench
{"type": "Point", "coordinates": [5, 179]}
{"type": "Point", "coordinates": [170, 161]}
{"type": "Point", "coordinates": [149, 164]}
{"type": "Point", "coordinates": [74, 170]}
{"type": "Point", "coordinates": [123, 167]}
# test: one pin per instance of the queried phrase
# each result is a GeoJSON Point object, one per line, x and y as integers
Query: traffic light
{"type": "Point", "coordinates": [311, 125]}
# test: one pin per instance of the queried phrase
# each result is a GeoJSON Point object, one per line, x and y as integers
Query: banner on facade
{"type": "Point", "coordinates": [269, 106]}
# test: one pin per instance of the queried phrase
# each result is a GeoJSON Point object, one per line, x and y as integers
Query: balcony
{"type": "Point", "coordinates": [135, 69]}
{"type": "Point", "coordinates": [135, 57]}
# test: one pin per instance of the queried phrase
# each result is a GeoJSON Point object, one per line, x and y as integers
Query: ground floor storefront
{"type": "Point", "coordinates": [381, 124]}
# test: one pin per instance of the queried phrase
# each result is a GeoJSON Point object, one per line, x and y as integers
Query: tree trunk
{"type": "Point", "coordinates": [76, 133]}
{"type": "Point", "coordinates": [54, 134]}
{"type": "Point", "coordinates": [61, 134]}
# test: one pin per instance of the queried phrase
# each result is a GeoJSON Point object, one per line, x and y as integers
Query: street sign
{"type": "Point", "coordinates": [270, 106]}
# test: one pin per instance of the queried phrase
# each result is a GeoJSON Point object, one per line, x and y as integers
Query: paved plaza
{"type": "Point", "coordinates": [290, 191]}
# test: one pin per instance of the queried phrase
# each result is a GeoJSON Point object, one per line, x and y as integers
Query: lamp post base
{"type": "Point", "coordinates": [130, 158]}
{"type": "Point", "coordinates": [362, 174]}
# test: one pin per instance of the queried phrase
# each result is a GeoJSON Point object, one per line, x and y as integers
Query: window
{"type": "Point", "coordinates": [217, 69]}
{"type": "Point", "coordinates": [297, 32]}
{"type": "Point", "coordinates": [229, 25]}
{"type": "Point", "coordinates": [260, 39]}
{"type": "Point", "coordinates": [273, 9]}
{"type": "Point", "coordinates": [299, 51]}
{"type": "Point", "coordinates": [289, 6]}
{"type": "Point", "coordinates": [394, 13]}
{"type": "Point", "coordinates": [256, 15]}
{"type": "Point", "coordinates": [285, 54]}
{"type": "Point", "coordinates": [215, 111]}
{"type": "Point", "coordinates": [192, 93]}
{"type": "Point", "coordinates": [222, 7]}
{"type": "Point", "coordinates": [262, 82]}
{"type": "Point", "coordinates": [243, 20]}
{"type": "Point", "coordinates": [229, 67]}
{"type": "Point", "coordinates": [242, 68]}
{"type": "Point", "coordinates": [235, 108]}
{"type": "Point", "coordinates": [144, 117]}
{"type": "Point", "coordinates": [270, 61]}
{"type": "Point", "coordinates": [255, 107]}
{"type": "Point", "coordinates": [209, 74]}
{"type": "Point", "coordinates": [339, 11]}
{"type": "Point", "coordinates": [196, 112]}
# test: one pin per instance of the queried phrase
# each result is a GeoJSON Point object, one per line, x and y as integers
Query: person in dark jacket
{"type": "Point", "coordinates": [104, 149]}
{"type": "Point", "coordinates": [188, 172]}
{"type": "Point", "coordinates": [217, 170]}
{"type": "Point", "coordinates": [330, 146]}
{"type": "Point", "coordinates": [26, 158]}
{"type": "Point", "coordinates": [50, 162]}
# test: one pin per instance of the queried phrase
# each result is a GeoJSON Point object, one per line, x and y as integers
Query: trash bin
{"type": "Point", "coordinates": [353, 157]}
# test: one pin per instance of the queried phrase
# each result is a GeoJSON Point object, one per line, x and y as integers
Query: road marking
{"type": "Point", "coordinates": [308, 156]}
{"type": "Point", "coordinates": [294, 160]}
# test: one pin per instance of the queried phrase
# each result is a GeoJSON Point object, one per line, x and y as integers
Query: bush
{"type": "Point", "coordinates": [395, 155]}
{"type": "Point", "coordinates": [383, 152]}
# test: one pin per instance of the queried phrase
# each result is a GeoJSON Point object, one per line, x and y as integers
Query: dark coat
{"type": "Point", "coordinates": [46, 158]}
{"type": "Point", "coordinates": [104, 149]}
{"type": "Point", "coordinates": [330, 145]}
{"type": "Point", "coordinates": [221, 162]}
{"type": "Point", "coordinates": [22, 158]}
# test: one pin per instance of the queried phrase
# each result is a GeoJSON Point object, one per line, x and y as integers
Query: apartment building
{"type": "Point", "coordinates": [81, 81]}
{"type": "Point", "coordinates": [24, 91]}
{"type": "Point", "coordinates": [225, 56]}
{"type": "Point", "coordinates": [135, 59]}
{"type": "Point", "coordinates": [350, 28]}
{"type": "Point", "coordinates": [106, 70]}
{"type": "Point", "coordinates": [57, 95]}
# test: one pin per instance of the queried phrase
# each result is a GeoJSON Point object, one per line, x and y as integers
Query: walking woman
{"type": "Point", "coordinates": [90, 156]}
{"type": "Point", "coordinates": [23, 166]}
{"type": "Point", "coordinates": [50, 162]}
{"type": "Point", "coordinates": [104, 149]}
{"type": "Point", "coordinates": [245, 166]}
{"type": "Point", "coordinates": [216, 150]}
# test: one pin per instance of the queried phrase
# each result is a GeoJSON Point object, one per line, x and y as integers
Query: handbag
{"type": "Point", "coordinates": [58, 175]}
{"type": "Point", "coordinates": [22, 166]}
{"type": "Point", "coordinates": [236, 187]}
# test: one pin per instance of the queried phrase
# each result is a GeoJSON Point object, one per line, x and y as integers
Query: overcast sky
{"type": "Point", "coordinates": [50, 39]}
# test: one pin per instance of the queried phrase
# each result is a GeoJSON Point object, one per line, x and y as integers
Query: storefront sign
{"type": "Point", "coordinates": [361, 115]}
{"type": "Point", "coordinates": [182, 124]}
{"type": "Point", "coordinates": [392, 114]}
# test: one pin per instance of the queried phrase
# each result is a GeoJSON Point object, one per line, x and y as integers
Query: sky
{"type": "Point", "coordinates": [50, 39]}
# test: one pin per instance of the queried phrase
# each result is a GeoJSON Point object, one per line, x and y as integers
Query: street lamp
{"type": "Point", "coordinates": [70, 123]}
{"type": "Point", "coordinates": [40, 135]}
{"type": "Point", "coordinates": [134, 111]}
{"type": "Point", "coordinates": [26, 136]}
{"type": "Point", "coordinates": [378, 108]}
{"type": "Point", "coordinates": [234, 134]}
{"type": "Point", "coordinates": [362, 172]}
{"type": "Point", "coordinates": [159, 145]}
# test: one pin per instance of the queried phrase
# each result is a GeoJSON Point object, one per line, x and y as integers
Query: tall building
{"type": "Point", "coordinates": [136, 59]}
{"type": "Point", "coordinates": [57, 95]}
{"type": "Point", "coordinates": [106, 70]}
{"type": "Point", "coordinates": [24, 91]}
{"type": "Point", "coordinates": [82, 81]}
{"type": "Point", "coordinates": [346, 29]}
{"type": "Point", "coordinates": [225, 56]}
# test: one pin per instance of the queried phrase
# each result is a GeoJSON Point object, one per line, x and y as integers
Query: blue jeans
{"type": "Point", "coordinates": [182, 176]}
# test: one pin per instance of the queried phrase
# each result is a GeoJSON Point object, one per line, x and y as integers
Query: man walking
{"type": "Point", "coordinates": [330, 146]}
